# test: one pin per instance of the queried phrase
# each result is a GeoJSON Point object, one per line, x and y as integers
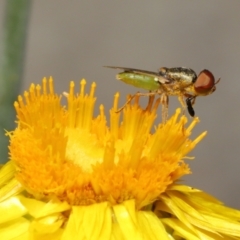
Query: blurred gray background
{"type": "Point", "coordinates": [70, 40]}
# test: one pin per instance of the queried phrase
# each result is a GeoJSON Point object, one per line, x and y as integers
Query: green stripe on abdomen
{"type": "Point", "coordinates": [139, 80]}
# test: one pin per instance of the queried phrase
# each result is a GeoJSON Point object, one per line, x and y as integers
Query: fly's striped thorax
{"type": "Point", "coordinates": [183, 77]}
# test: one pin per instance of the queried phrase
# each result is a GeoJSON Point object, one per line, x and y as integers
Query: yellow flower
{"type": "Point", "coordinates": [70, 176]}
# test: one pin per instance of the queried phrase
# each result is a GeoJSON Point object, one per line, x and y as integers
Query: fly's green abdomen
{"type": "Point", "coordinates": [139, 80]}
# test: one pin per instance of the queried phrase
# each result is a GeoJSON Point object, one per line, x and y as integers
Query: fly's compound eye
{"type": "Point", "coordinates": [205, 83]}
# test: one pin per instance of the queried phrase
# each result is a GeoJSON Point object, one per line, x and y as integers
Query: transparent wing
{"type": "Point", "coordinates": [144, 72]}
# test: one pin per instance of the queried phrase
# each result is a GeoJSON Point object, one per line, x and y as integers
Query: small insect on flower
{"type": "Point", "coordinates": [179, 81]}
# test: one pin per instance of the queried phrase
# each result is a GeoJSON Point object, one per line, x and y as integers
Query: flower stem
{"type": "Point", "coordinates": [11, 64]}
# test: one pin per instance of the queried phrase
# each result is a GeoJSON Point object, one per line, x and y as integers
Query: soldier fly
{"type": "Point", "coordinates": [179, 81]}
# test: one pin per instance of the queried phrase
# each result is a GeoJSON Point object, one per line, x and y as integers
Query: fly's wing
{"type": "Point", "coordinates": [148, 73]}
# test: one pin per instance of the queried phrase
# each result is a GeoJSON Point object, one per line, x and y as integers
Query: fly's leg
{"type": "Point", "coordinates": [126, 103]}
{"type": "Point", "coordinates": [150, 102]}
{"type": "Point", "coordinates": [164, 102]}
{"type": "Point", "coordinates": [150, 95]}
{"type": "Point", "coordinates": [190, 101]}
{"type": "Point", "coordinates": [180, 99]}
{"type": "Point", "coordinates": [193, 100]}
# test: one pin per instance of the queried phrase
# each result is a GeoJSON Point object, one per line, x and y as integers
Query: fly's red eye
{"type": "Point", "coordinates": [205, 82]}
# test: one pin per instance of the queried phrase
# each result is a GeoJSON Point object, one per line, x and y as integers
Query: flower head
{"type": "Point", "coordinates": [70, 171]}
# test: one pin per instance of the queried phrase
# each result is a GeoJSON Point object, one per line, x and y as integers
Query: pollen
{"type": "Point", "coordinates": [66, 153]}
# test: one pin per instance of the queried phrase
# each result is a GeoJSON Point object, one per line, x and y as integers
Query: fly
{"type": "Point", "coordinates": [179, 81]}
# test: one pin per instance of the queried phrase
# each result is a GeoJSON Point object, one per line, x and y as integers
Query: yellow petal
{"type": "Point", "coordinates": [151, 227]}
{"type": "Point", "coordinates": [47, 225]}
{"type": "Point", "coordinates": [182, 230]}
{"type": "Point", "coordinates": [12, 188]}
{"type": "Point", "coordinates": [88, 222]}
{"type": "Point", "coordinates": [41, 209]}
{"type": "Point", "coordinates": [126, 223]}
{"type": "Point", "coordinates": [52, 236]}
{"type": "Point", "coordinates": [6, 172]}
{"type": "Point", "coordinates": [177, 212]}
{"type": "Point", "coordinates": [11, 209]}
{"type": "Point", "coordinates": [221, 225]}
{"type": "Point", "coordinates": [13, 229]}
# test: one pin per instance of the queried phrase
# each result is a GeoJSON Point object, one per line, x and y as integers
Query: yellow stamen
{"type": "Point", "coordinates": [68, 154]}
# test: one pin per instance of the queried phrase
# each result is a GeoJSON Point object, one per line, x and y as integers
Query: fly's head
{"type": "Point", "coordinates": [205, 83]}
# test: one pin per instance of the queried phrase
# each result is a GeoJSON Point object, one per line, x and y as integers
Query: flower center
{"type": "Point", "coordinates": [83, 148]}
